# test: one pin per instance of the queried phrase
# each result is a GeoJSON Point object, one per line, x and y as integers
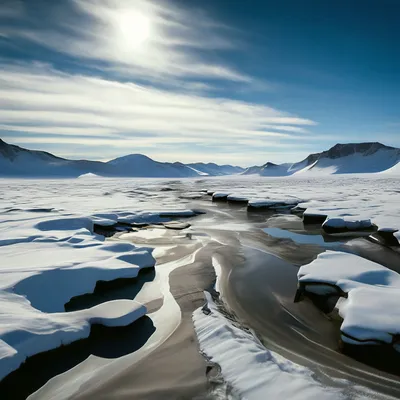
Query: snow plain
{"type": "Point", "coordinates": [50, 255]}
{"type": "Point", "coordinates": [31, 211]}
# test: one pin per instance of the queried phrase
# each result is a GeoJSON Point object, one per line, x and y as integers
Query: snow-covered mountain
{"type": "Point", "coordinates": [350, 158]}
{"type": "Point", "coordinates": [215, 169]}
{"type": "Point", "coordinates": [19, 162]}
{"type": "Point", "coordinates": [142, 166]}
{"type": "Point", "coordinates": [340, 159]}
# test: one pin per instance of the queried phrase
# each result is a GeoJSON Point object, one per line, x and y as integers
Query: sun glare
{"type": "Point", "coordinates": [134, 29]}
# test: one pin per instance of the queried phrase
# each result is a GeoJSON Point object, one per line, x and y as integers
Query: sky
{"type": "Point", "coordinates": [227, 81]}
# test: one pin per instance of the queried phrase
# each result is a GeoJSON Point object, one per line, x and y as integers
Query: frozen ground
{"type": "Point", "coordinates": [47, 241]}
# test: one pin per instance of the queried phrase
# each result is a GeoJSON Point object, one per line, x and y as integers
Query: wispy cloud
{"type": "Point", "coordinates": [101, 31]}
{"type": "Point", "coordinates": [37, 100]}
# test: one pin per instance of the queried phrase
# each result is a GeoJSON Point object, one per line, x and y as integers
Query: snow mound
{"type": "Point", "coordinates": [370, 295]}
{"type": "Point", "coordinates": [46, 262]}
{"type": "Point", "coordinates": [255, 372]}
{"type": "Point", "coordinates": [88, 175]}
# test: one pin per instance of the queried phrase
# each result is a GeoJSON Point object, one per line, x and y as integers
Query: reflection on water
{"type": "Point", "coordinates": [317, 240]}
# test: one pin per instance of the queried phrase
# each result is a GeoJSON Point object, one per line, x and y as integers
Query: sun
{"type": "Point", "coordinates": [133, 28]}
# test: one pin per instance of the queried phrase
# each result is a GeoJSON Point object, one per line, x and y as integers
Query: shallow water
{"type": "Point", "coordinates": [317, 240]}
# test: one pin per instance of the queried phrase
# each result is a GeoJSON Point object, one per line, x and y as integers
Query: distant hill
{"type": "Point", "coordinates": [350, 158]}
{"type": "Point", "coordinates": [214, 169]}
{"type": "Point", "coordinates": [16, 161]}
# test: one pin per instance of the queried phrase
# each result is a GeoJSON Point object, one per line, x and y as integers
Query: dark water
{"type": "Point", "coordinates": [259, 288]}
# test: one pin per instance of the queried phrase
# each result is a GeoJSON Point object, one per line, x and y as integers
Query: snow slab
{"type": "Point", "coordinates": [219, 195]}
{"type": "Point", "coordinates": [153, 217]}
{"type": "Point", "coordinates": [347, 271]}
{"type": "Point", "coordinates": [26, 331]}
{"type": "Point", "coordinates": [255, 372]}
{"type": "Point", "coordinates": [273, 203]}
{"type": "Point", "coordinates": [45, 261]}
{"type": "Point", "coordinates": [234, 197]}
{"type": "Point", "coordinates": [370, 312]}
{"type": "Point", "coordinates": [347, 223]}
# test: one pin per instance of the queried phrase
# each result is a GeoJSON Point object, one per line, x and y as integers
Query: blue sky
{"type": "Point", "coordinates": [230, 81]}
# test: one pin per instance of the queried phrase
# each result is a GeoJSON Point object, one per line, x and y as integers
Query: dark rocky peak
{"type": "Point", "coordinates": [346, 149]}
{"type": "Point", "coordinates": [11, 151]}
{"type": "Point", "coordinates": [270, 165]}
{"type": "Point", "coordinates": [8, 151]}
{"type": "Point", "coordinates": [343, 150]}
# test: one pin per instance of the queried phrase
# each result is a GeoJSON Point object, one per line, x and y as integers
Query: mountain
{"type": "Point", "coordinates": [139, 165]}
{"type": "Point", "coordinates": [16, 161]}
{"type": "Point", "coordinates": [214, 169]}
{"type": "Point", "coordinates": [350, 158]}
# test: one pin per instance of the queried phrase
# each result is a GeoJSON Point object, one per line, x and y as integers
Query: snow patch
{"type": "Point", "coordinates": [88, 175]}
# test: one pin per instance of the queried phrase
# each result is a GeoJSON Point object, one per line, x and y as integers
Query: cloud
{"type": "Point", "coordinates": [105, 31]}
{"type": "Point", "coordinates": [111, 89]}
{"type": "Point", "coordinates": [39, 104]}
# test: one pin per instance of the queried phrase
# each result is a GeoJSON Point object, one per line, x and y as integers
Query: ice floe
{"type": "Point", "coordinates": [347, 226]}
{"type": "Point", "coordinates": [272, 204]}
{"type": "Point", "coordinates": [220, 196]}
{"type": "Point", "coordinates": [369, 294]}
{"type": "Point", "coordinates": [47, 261]}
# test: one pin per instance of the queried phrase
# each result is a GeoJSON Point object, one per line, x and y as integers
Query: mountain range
{"type": "Point", "coordinates": [16, 161]}
{"type": "Point", "coordinates": [375, 157]}
{"type": "Point", "coordinates": [349, 158]}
